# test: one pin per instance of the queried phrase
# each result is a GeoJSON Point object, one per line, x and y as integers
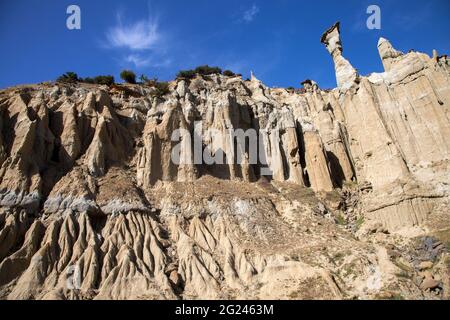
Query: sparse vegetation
{"type": "Point", "coordinates": [128, 76]}
{"type": "Point", "coordinates": [144, 78]}
{"type": "Point", "coordinates": [350, 185]}
{"type": "Point", "coordinates": [229, 73]}
{"type": "Point", "coordinates": [359, 223]}
{"type": "Point", "coordinates": [68, 77]}
{"type": "Point", "coordinates": [106, 80]}
{"type": "Point", "coordinates": [349, 269]}
{"type": "Point", "coordinates": [333, 196]}
{"type": "Point", "coordinates": [340, 220]}
{"type": "Point", "coordinates": [186, 74]}
{"type": "Point", "coordinates": [402, 266]}
{"type": "Point", "coordinates": [404, 274]}
{"type": "Point", "coordinates": [207, 70]}
{"type": "Point", "coordinates": [337, 257]}
{"type": "Point", "coordinates": [161, 88]}
{"type": "Point", "coordinates": [202, 70]}
{"type": "Point", "coordinates": [72, 77]}
{"type": "Point", "coordinates": [88, 80]}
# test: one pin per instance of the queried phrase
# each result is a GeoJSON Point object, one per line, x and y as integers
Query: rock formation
{"type": "Point", "coordinates": [348, 197]}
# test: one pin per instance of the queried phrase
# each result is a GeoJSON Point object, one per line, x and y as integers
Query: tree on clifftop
{"type": "Point", "coordinates": [128, 76]}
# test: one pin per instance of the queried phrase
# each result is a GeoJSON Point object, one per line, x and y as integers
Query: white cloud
{"type": "Point", "coordinates": [138, 60]}
{"type": "Point", "coordinates": [140, 44]}
{"type": "Point", "coordinates": [149, 60]}
{"type": "Point", "coordinates": [142, 35]}
{"type": "Point", "coordinates": [250, 14]}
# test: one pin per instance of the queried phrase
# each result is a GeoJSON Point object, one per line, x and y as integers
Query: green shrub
{"type": "Point", "coordinates": [88, 80]}
{"type": "Point", "coordinates": [207, 70]}
{"type": "Point", "coordinates": [359, 223]}
{"type": "Point", "coordinates": [151, 82]}
{"type": "Point", "coordinates": [68, 77]}
{"type": "Point", "coordinates": [107, 80]}
{"type": "Point", "coordinates": [403, 274]}
{"type": "Point", "coordinates": [72, 77]}
{"type": "Point", "coordinates": [186, 74]}
{"type": "Point", "coordinates": [161, 88]}
{"type": "Point", "coordinates": [128, 76]}
{"type": "Point", "coordinates": [202, 70]}
{"type": "Point", "coordinates": [144, 78]}
{"type": "Point", "coordinates": [229, 73]}
{"type": "Point", "coordinates": [340, 220]}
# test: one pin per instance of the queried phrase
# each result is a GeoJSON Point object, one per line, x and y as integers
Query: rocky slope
{"type": "Point", "coordinates": [356, 204]}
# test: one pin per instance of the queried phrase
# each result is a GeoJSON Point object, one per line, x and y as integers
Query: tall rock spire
{"type": "Point", "coordinates": [387, 53]}
{"type": "Point", "coordinates": [346, 75]}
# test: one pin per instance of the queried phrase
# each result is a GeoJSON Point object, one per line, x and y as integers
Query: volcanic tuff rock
{"type": "Point", "coordinates": [356, 205]}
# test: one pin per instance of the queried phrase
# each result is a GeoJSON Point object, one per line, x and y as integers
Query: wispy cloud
{"type": "Point", "coordinates": [148, 60]}
{"type": "Point", "coordinates": [138, 60]}
{"type": "Point", "coordinates": [141, 35]}
{"type": "Point", "coordinates": [250, 14]}
{"type": "Point", "coordinates": [140, 44]}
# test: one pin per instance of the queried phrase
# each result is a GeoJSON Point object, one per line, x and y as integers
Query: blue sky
{"type": "Point", "coordinates": [279, 39]}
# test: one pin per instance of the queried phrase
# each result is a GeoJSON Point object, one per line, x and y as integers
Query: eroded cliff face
{"type": "Point", "coordinates": [349, 196]}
